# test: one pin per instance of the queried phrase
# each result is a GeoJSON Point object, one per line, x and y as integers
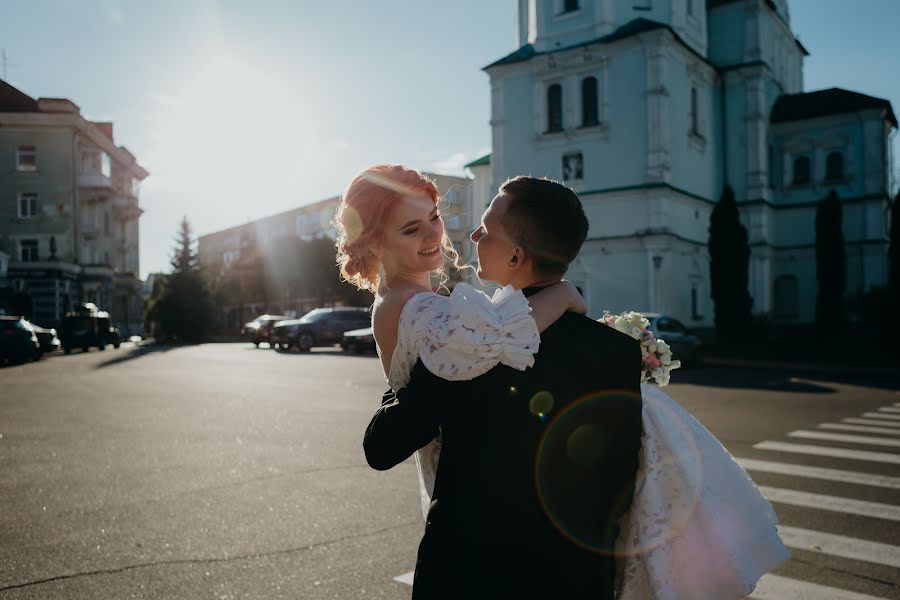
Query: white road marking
{"type": "Point", "coordinates": [871, 422]}
{"type": "Point", "coordinates": [860, 428]}
{"type": "Point", "coordinates": [843, 437]}
{"type": "Point", "coordinates": [865, 508]}
{"type": "Point", "coordinates": [883, 457]}
{"type": "Point", "coordinates": [839, 545]}
{"type": "Point", "coordinates": [878, 415]}
{"type": "Point", "coordinates": [765, 466]}
{"type": "Point", "coordinates": [406, 578]}
{"type": "Point", "coordinates": [775, 587]}
{"type": "Point", "coordinates": [889, 409]}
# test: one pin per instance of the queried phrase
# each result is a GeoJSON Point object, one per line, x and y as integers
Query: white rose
{"type": "Point", "coordinates": [663, 346]}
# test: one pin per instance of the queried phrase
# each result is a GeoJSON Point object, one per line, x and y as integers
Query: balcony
{"type": "Point", "coordinates": [94, 181]}
{"type": "Point", "coordinates": [126, 208]}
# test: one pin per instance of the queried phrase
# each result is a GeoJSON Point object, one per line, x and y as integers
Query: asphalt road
{"type": "Point", "coordinates": [225, 471]}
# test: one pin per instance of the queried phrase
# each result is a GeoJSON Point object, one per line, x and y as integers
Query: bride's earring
{"type": "Point", "coordinates": [382, 277]}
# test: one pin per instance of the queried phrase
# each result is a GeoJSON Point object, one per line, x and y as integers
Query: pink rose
{"type": "Point", "coordinates": [651, 361]}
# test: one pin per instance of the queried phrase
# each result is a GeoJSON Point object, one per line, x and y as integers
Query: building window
{"type": "Point", "coordinates": [801, 170]}
{"type": "Point", "coordinates": [642, 5]}
{"type": "Point", "coordinates": [106, 223]}
{"type": "Point", "coordinates": [695, 114]}
{"type": "Point", "coordinates": [572, 166]}
{"type": "Point", "coordinates": [28, 250]}
{"type": "Point", "coordinates": [26, 158]}
{"type": "Point", "coordinates": [834, 166]}
{"type": "Point", "coordinates": [27, 205]}
{"type": "Point", "coordinates": [570, 6]}
{"type": "Point", "coordinates": [589, 112]}
{"type": "Point", "coordinates": [554, 108]}
{"type": "Point", "coordinates": [95, 162]}
{"type": "Point", "coordinates": [690, 8]}
{"type": "Point", "coordinates": [785, 301]}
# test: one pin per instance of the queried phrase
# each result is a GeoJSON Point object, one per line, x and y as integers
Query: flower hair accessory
{"type": "Point", "coordinates": [656, 356]}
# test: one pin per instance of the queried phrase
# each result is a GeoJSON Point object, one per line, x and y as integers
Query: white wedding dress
{"type": "Point", "coordinates": [698, 527]}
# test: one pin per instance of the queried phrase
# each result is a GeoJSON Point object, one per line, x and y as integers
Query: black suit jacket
{"type": "Point", "coordinates": [535, 470]}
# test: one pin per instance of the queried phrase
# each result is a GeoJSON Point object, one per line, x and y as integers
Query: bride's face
{"type": "Point", "coordinates": [412, 237]}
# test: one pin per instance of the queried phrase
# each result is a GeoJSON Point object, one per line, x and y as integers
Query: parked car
{"type": "Point", "coordinates": [88, 327]}
{"type": "Point", "coordinates": [685, 346]}
{"type": "Point", "coordinates": [47, 338]}
{"type": "Point", "coordinates": [359, 340]}
{"type": "Point", "coordinates": [260, 328]}
{"type": "Point", "coordinates": [107, 331]}
{"type": "Point", "coordinates": [18, 343]}
{"type": "Point", "coordinates": [320, 327]}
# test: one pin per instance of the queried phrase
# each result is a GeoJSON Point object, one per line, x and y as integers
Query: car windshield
{"type": "Point", "coordinates": [314, 315]}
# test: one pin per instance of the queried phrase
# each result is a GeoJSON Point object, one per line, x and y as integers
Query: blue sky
{"type": "Point", "coordinates": [241, 110]}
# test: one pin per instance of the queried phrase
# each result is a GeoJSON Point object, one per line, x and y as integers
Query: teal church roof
{"type": "Point", "coordinates": [822, 103]}
{"type": "Point", "coordinates": [484, 160]}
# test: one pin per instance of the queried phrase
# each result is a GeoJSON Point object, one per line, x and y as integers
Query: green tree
{"type": "Point", "coordinates": [894, 250]}
{"type": "Point", "coordinates": [831, 263]}
{"type": "Point", "coordinates": [729, 264]}
{"type": "Point", "coordinates": [181, 307]}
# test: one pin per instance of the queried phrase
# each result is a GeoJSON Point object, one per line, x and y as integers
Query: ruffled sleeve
{"type": "Point", "coordinates": [465, 335]}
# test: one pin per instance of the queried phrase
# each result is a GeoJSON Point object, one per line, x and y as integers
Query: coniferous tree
{"type": "Point", "coordinates": [729, 264]}
{"type": "Point", "coordinates": [182, 308]}
{"type": "Point", "coordinates": [831, 262]}
{"type": "Point", "coordinates": [894, 250]}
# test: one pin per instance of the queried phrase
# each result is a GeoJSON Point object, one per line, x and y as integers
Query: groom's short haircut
{"type": "Point", "coordinates": [545, 218]}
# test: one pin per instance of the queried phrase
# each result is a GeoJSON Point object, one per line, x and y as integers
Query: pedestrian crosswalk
{"type": "Point", "coordinates": [859, 445]}
{"type": "Point", "coordinates": [843, 447]}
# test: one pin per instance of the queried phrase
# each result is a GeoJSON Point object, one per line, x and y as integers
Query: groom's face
{"type": "Point", "coordinates": [492, 245]}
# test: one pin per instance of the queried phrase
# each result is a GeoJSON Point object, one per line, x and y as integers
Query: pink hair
{"type": "Point", "coordinates": [363, 213]}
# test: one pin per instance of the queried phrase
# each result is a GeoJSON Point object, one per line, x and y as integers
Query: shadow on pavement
{"type": "Point", "coordinates": [134, 353]}
{"type": "Point", "coordinates": [726, 377]}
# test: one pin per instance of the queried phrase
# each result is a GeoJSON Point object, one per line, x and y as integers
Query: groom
{"type": "Point", "coordinates": [536, 466]}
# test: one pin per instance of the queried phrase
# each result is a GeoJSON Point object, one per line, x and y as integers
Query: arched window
{"type": "Point", "coordinates": [785, 300]}
{"type": "Point", "coordinates": [801, 170]}
{"type": "Point", "coordinates": [834, 166]}
{"type": "Point", "coordinates": [695, 115]}
{"type": "Point", "coordinates": [554, 107]}
{"type": "Point", "coordinates": [589, 113]}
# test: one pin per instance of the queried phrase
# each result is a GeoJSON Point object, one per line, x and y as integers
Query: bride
{"type": "Point", "coordinates": [697, 527]}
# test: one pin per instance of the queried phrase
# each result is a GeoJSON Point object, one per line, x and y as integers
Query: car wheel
{"type": "Point", "coordinates": [101, 347]}
{"type": "Point", "coordinates": [67, 351]}
{"type": "Point", "coordinates": [85, 348]}
{"type": "Point", "coordinates": [116, 346]}
{"type": "Point", "coordinates": [305, 342]}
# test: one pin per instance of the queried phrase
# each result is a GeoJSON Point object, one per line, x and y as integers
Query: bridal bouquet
{"type": "Point", "coordinates": [657, 361]}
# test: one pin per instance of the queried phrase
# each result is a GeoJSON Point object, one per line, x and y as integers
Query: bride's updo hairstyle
{"type": "Point", "coordinates": [363, 214]}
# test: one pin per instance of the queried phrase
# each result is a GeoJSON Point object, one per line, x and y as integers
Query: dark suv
{"type": "Point", "coordinates": [320, 327]}
{"type": "Point", "coordinates": [260, 328]}
{"type": "Point", "coordinates": [88, 327]}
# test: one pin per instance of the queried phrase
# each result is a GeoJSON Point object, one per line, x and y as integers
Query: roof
{"type": "Point", "coordinates": [710, 4]}
{"type": "Point", "coordinates": [484, 160]}
{"type": "Point", "coordinates": [13, 100]}
{"type": "Point", "coordinates": [631, 28]}
{"type": "Point", "coordinates": [833, 101]}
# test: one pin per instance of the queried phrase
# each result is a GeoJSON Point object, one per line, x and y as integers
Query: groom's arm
{"type": "Point", "coordinates": [406, 421]}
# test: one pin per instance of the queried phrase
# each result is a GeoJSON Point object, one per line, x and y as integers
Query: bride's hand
{"type": "Point", "coordinates": [576, 302]}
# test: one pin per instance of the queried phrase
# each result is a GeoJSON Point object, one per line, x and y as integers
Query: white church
{"type": "Point", "coordinates": [648, 108]}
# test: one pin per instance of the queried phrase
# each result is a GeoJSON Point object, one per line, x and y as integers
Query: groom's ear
{"type": "Point", "coordinates": [517, 258]}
